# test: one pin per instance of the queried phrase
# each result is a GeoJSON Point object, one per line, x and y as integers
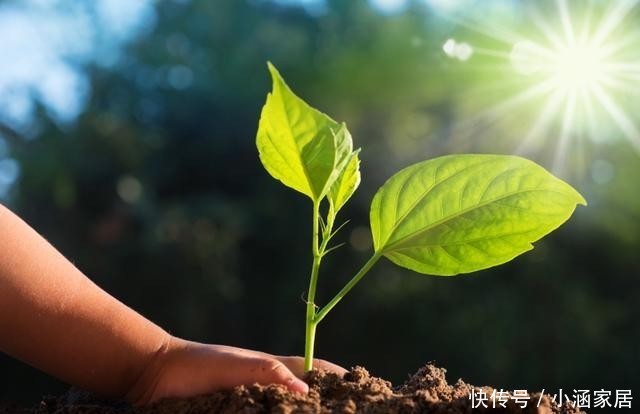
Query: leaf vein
{"type": "Point", "coordinates": [427, 191]}
{"type": "Point", "coordinates": [413, 235]}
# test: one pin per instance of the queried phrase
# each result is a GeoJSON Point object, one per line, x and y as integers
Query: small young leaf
{"type": "Point", "coordinates": [336, 231]}
{"type": "Point", "coordinates": [462, 213]}
{"type": "Point", "coordinates": [346, 184]}
{"type": "Point", "coordinates": [299, 145]}
{"type": "Point", "coordinates": [343, 147]}
{"type": "Point", "coordinates": [331, 249]}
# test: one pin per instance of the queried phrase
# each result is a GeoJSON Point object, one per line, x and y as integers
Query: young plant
{"type": "Point", "coordinates": [446, 216]}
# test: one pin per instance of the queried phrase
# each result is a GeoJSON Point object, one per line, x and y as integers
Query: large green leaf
{"type": "Point", "coordinates": [299, 145]}
{"type": "Point", "coordinates": [462, 213]}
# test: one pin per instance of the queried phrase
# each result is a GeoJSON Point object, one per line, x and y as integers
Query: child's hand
{"type": "Point", "coordinates": [184, 369]}
{"type": "Point", "coordinates": [56, 319]}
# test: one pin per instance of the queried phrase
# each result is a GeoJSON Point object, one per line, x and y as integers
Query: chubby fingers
{"type": "Point", "coordinates": [296, 365]}
{"type": "Point", "coordinates": [192, 368]}
{"type": "Point", "coordinates": [273, 371]}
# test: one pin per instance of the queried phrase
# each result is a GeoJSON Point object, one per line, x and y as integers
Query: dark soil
{"type": "Point", "coordinates": [426, 391]}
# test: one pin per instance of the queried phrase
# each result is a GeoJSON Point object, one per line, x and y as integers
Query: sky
{"type": "Point", "coordinates": [43, 43]}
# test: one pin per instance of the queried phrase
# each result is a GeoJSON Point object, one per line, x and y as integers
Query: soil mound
{"type": "Point", "coordinates": [427, 391]}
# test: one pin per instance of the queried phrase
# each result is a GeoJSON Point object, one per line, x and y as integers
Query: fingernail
{"type": "Point", "coordinates": [297, 385]}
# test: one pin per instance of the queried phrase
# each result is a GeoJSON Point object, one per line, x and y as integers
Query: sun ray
{"type": "Point", "coordinates": [502, 108]}
{"type": "Point", "coordinates": [522, 97]}
{"type": "Point", "coordinates": [491, 52]}
{"type": "Point", "coordinates": [622, 73]}
{"type": "Point", "coordinates": [590, 114]}
{"type": "Point", "coordinates": [622, 43]}
{"type": "Point", "coordinates": [544, 28]}
{"type": "Point", "coordinates": [566, 23]}
{"type": "Point", "coordinates": [578, 65]}
{"type": "Point", "coordinates": [585, 28]}
{"type": "Point", "coordinates": [503, 35]}
{"type": "Point", "coordinates": [559, 162]}
{"type": "Point", "coordinates": [541, 124]}
{"type": "Point", "coordinates": [616, 14]}
{"type": "Point", "coordinates": [625, 124]}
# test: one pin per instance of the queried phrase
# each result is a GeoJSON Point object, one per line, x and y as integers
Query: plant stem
{"type": "Point", "coordinates": [310, 331]}
{"type": "Point", "coordinates": [363, 271]}
{"type": "Point", "coordinates": [310, 339]}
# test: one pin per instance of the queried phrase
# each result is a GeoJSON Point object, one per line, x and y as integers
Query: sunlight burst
{"type": "Point", "coordinates": [580, 71]}
{"type": "Point", "coordinates": [580, 68]}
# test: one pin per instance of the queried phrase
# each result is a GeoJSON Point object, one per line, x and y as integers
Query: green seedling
{"type": "Point", "coordinates": [446, 216]}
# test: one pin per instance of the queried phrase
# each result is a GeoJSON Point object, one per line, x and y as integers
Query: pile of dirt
{"type": "Point", "coordinates": [427, 391]}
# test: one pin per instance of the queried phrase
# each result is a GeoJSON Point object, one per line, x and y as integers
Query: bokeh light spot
{"type": "Point", "coordinates": [389, 6]}
{"type": "Point", "coordinates": [129, 189]}
{"type": "Point", "coordinates": [602, 172]}
{"type": "Point", "coordinates": [360, 239]}
{"type": "Point", "coordinates": [180, 77]}
{"type": "Point", "coordinates": [461, 51]}
{"type": "Point", "coordinates": [9, 171]}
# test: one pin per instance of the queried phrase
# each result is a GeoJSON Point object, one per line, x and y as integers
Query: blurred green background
{"type": "Point", "coordinates": [127, 138]}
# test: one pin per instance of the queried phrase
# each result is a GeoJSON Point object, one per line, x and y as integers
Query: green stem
{"type": "Point", "coordinates": [327, 308]}
{"type": "Point", "coordinates": [310, 331]}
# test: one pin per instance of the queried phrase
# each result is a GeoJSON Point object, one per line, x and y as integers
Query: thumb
{"type": "Point", "coordinates": [272, 371]}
